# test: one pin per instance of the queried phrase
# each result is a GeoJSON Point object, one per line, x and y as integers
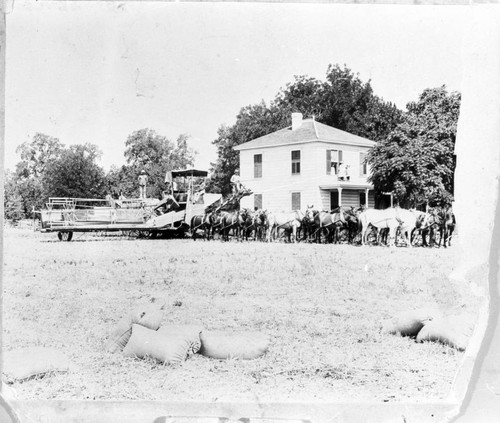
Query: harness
{"type": "Point", "coordinates": [228, 226]}
{"type": "Point", "coordinates": [341, 219]}
{"type": "Point", "coordinates": [286, 223]}
{"type": "Point", "coordinates": [289, 222]}
{"type": "Point", "coordinates": [251, 224]}
{"type": "Point", "coordinates": [201, 224]}
{"type": "Point", "coordinates": [384, 220]}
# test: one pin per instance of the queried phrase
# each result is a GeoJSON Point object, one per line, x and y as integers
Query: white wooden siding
{"type": "Point", "coordinates": [350, 198]}
{"type": "Point", "coordinates": [277, 182]}
{"type": "Point", "coordinates": [325, 200]}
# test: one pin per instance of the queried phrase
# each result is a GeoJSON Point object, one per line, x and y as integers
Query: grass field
{"type": "Point", "coordinates": [322, 305]}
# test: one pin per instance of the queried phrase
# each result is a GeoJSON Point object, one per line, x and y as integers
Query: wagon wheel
{"type": "Point", "coordinates": [65, 236]}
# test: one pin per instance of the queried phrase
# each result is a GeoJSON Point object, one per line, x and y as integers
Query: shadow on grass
{"type": "Point", "coordinates": [105, 239]}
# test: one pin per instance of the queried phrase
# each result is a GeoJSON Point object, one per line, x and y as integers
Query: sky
{"type": "Point", "coordinates": [97, 71]}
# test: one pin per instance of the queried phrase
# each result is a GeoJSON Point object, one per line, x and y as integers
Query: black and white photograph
{"type": "Point", "coordinates": [275, 209]}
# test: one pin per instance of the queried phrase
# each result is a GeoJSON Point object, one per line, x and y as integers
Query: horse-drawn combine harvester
{"type": "Point", "coordinates": [188, 210]}
{"type": "Point", "coordinates": [170, 216]}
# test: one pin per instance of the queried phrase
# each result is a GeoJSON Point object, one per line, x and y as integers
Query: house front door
{"type": "Point", "coordinates": [334, 199]}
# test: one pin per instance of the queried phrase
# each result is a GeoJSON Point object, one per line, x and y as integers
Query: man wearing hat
{"type": "Point", "coordinates": [143, 181]}
{"type": "Point", "coordinates": [235, 181]}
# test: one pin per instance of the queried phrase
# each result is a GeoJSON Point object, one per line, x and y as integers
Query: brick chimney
{"type": "Point", "coordinates": [296, 121]}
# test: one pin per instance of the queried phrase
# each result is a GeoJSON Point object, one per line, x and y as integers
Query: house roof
{"type": "Point", "coordinates": [309, 131]}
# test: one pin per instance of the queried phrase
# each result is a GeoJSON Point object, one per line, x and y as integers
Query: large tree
{"type": "Point", "coordinates": [416, 161]}
{"type": "Point", "coordinates": [24, 188]}
{"type": "Point", "coordinates": [343, 101]}
{"type": "Point", "coordinates": [37, 154]}
{"type": "Point", "coordinates": [155, 154]}
{"type": "Point", "coordinates": [31, 191]}
{"type": "Point", "coordinates": [13, 202]}
{"type": "Point", "coordinates": [251, 122]}
{"type": "Point", "coordinates": [75, 173]}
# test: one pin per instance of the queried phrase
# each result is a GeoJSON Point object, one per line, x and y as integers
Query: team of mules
{"type": "Point", "coordinates": [392, 226]}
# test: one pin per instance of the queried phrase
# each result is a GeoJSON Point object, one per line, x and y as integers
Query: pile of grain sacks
{"type": "Point", "coordinates": [431, 325]}
{"type": "Point", "coordinates": [140, 334]}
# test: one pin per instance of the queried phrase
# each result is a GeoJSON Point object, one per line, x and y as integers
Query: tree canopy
{"type": "Point", "coordinates": [155, 154]}
{"type": "Point", "coordinates": [37, 154]}
{"type": "Point", "coordinates": [24, 190]}
{"type": "Point", "coordinates": [75, 173]}
{"type": "Point", "coordinates": [416, 160]}
{"type": "Point", "coordinates": [49, 169]}
{"type": "Point", "coordinates": [343, 101]}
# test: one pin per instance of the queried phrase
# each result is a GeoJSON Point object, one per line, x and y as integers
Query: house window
{"type": "Point", "coordinates": [296, 162]}
{"type": "Point", "coordinates": [362, 199]}
{"type": "Point", "coordinates": [333, 160]}
{"type": "Point", "coordinates": [295, 201]}
{"type": "Point", "coordinates": [363, 166]}
{"type": "Point", "coordinates": [334, 200]}
{"type": "Point", "coordinates": [257, 166]}
{"type": "Point", "coordinates": [257, 201]}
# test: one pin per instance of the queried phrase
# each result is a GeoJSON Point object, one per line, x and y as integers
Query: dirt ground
{"type": "Point", "coordinates": [322, 305]}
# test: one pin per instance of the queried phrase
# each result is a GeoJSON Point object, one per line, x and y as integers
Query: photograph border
{"type": "Point", "coordinates": [485, 270]}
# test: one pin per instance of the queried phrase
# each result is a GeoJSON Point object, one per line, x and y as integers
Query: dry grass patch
{"type": "Point", "coordinates": [322, 305]}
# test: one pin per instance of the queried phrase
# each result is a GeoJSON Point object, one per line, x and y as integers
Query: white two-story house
{"type": "Point", "coordinates": [308, 163]}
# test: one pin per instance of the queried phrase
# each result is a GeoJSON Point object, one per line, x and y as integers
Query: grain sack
{"type": "Point", "coordinates": [224, 345]}
{"type": "Point", "coordinates": [443, 331]}
{"type": "Point", "coordinates": [145, 342]}
{"type": "Point", "coordinates": [146, 315]}
{"type": "Point", "coordinates": [409, 323]}
{"type": "Point", "coordinates": [22, 364]}
{"type": "Point", "coordinates": [189, 332]}
{"type": "Point", "coordinates": [149, 316]}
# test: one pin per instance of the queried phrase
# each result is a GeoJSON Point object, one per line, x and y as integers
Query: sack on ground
{"type": "Point", "coordinates": [443, 331]}
{"type": "Point", "coordinates": [409, 323]}
{"type": "Point", "coordinates": [145, 342]}
{"type": "Point", "coordinates": [25, 363]}
{"type": "Point", "coordinates": [147, 315]}
{"type": "Point", "coordinates": [224, 345]}
{"type": "Point", "coordinates": [191, 333]}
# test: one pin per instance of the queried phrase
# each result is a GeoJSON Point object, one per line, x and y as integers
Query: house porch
{"type": "Point", "coordinates": [350, 196]}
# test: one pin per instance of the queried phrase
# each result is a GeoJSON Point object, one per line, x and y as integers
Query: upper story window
{"type": "Point", "coordinates": [333, 160]}
{"type": "Point", "coordinates": [257, 166]}
{"type": "Point", "coordinates": [296, 162]}
{"type": "Point", "coordinates": [363, 166]}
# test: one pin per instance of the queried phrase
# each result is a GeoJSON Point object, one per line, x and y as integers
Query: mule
{"type": "Point", "coordinates": [289, 222]}
{"type": "Point", "coordinates": [326, 224]}
{"type": "Point", "coordinates": [392, 219]}
{"type": "Point", "coordinates": [261, 224]}
{"type": "Point", "coordinates": [445, 222]}
{"type": "Point", "coordinates": [204, 223]}
{"type": "Point", "coordinates": [231, 221]}
{"type": "Point", "coordinates": [306, 230]}
{"type": "Point", "coordinates": [422, 226]}
{"type": "Point", "coordinates": [351, 215]}
{"type": "Point", "coordinates": [253, 222]}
